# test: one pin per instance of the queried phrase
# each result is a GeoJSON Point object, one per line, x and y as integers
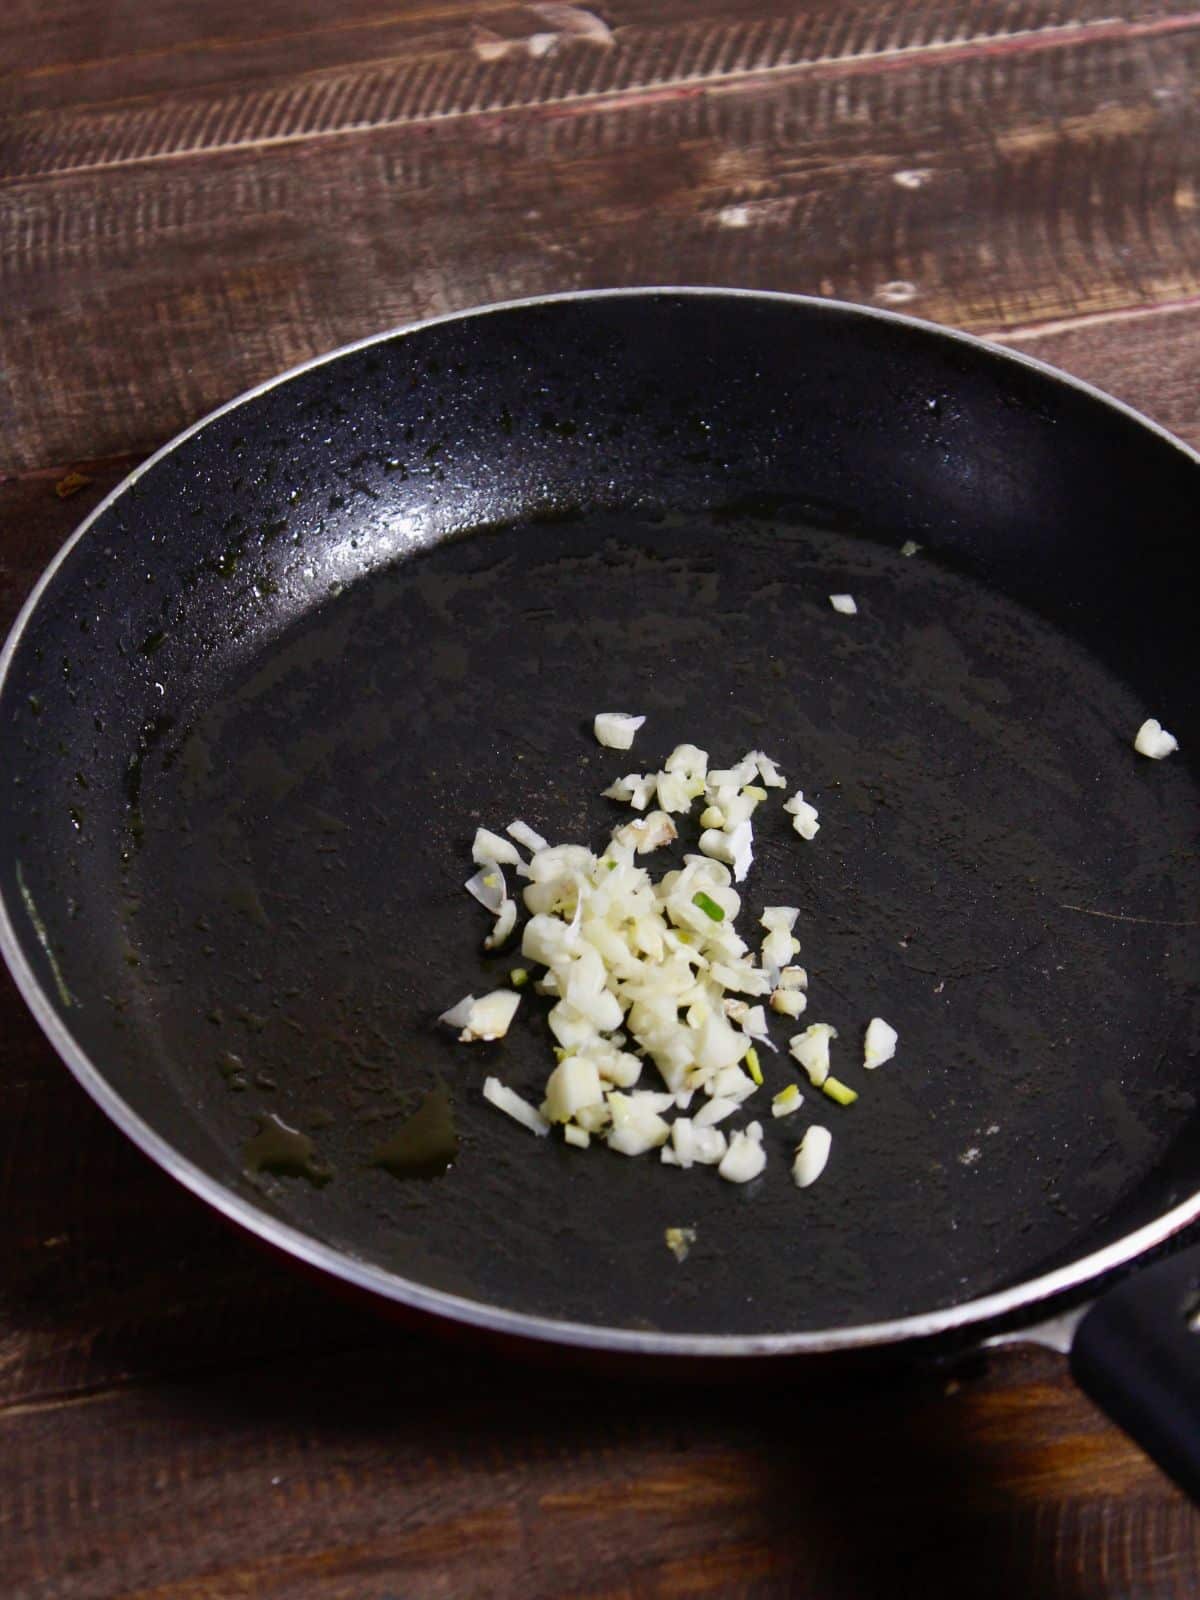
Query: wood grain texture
{"type": "Point", "coordinates": [454, 62]}
{"type": "Point", "coordinates": [195, 194]}
{"type": "Point", "coordinates": [1147, 357]}
{"type": "Point", "coordinates": [418, 1471]}
{"type": "Point", "coordinates": [991, 192]}
{"type": "Point", "coordinates": [240, 76]}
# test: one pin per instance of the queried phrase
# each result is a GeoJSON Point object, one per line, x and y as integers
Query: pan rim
{"type": "Point", "coordinates": [486, 1317]}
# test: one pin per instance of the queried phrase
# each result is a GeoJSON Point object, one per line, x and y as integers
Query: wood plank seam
{"type": "Point", "coordinates": [642, 63]}
{"type": "Point", "coordinates": [1093, 319]}
{"type": "Point", "coordinates": [37, 229]}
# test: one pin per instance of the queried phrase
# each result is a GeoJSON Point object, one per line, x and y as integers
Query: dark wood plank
{"type": "Point", "coordinates": [1147, 358]}
{"type": "Point", "coordinates": [35, 518]}
{"type": "Point", "coordinates": [153, 290]}
{"type": "Point", "coordinates": [92, 1297]}
{"type": "Point", "coordinates": [418, 1471]}
{"type": "Point", "coordinates": [225, 69]}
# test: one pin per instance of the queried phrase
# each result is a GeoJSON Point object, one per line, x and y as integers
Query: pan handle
{"type": "Point", "coordinates": [1136, 1353]}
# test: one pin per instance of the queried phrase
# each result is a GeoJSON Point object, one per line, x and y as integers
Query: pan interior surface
{"type": "Point", "coordinates": [263, 705]}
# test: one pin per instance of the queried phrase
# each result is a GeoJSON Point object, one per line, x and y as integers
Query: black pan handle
{"type": "Point", "coordinates": [1136, 1352]}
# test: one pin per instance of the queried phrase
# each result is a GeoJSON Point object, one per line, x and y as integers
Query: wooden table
{"type": "Point", "coordinates": [197, 193]}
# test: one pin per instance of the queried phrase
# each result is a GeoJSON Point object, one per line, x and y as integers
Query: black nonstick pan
{"type": "Point", "coordinates": [254, 712]}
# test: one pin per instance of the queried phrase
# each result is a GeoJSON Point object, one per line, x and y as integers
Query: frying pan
{"type": "Point", "coordinates": [253, 713]}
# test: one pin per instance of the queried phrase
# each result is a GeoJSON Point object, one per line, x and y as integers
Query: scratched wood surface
{"type": "Point", "coordinates": [197, 193]}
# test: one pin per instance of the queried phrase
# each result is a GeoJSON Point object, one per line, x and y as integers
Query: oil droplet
{"type": "Point", "coordinates": [426, 1145]}
{"type": "Point", "coordinates": [285, 1152]}
{"type": "Point", "coordinates": [243, 896]}
{"type": "Point", "coordinates": [233, 1070]}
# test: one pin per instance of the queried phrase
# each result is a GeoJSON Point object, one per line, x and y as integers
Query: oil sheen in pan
{"type": "Point", "coordinates": [985, 826]}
